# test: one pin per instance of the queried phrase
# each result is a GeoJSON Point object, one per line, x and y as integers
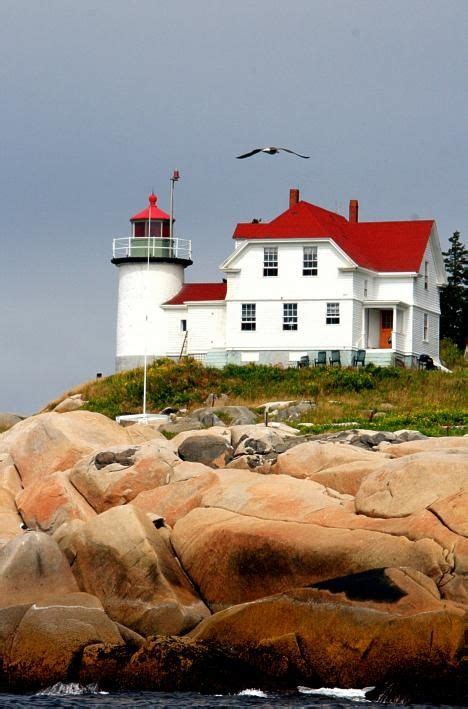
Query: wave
{"type": "Point", "coordinates": [72, 688]}
{"type": "Point", "coordinates": [338, 692]}
{"type": "Point", "coordinates": [252, 693]}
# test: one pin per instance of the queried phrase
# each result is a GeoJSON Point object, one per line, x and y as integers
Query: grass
{"type": "Point", "coordinates": [432, 402]}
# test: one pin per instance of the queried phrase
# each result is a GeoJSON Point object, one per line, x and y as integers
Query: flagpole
{"type": "Point", "coordinates": [145, 366]}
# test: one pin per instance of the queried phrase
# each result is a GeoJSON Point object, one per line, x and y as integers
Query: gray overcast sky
{"type": "Point", "coordinates": [100, 101]}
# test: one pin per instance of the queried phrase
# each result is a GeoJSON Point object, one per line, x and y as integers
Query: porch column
{"type": "Point", "coordinates": [364, 329]}
{"type": "Point", "coordinates": [394, 335]}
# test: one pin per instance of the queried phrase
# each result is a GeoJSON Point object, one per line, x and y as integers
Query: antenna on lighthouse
{"type": "Point", "coordinates": [175, 178]}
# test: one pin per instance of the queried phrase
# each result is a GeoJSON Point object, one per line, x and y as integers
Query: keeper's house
{"type": "Point", "coordinates": [309, 280]}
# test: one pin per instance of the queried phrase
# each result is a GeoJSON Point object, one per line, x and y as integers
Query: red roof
{"type": "Point", "coordinates": [192, 292]}
{"type": "Point", "coordinates": [156, 213]}
{"type": "Point", "coordinates": [379, 246]}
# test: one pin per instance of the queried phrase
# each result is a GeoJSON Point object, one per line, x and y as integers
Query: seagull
{"type": "Point", "coordinates": [271, 151]}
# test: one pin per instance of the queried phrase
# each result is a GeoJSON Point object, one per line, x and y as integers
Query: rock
{"type": "Point", "coordinates": [406, 434]}
{"type": "Point", "coordinates": [257, 431]}
{"type": "Point", "coordinates": [452, 511]}
{"type": "Point", "coordinates": [7, 420]}
{"type": "Point", "coordinates": [350, 632]}
{"type": "Point", "coordinates": [183, 424]}
{"type": "Point", "coordinates": [50, 637]}
{"type": "Point", "coordinates": [210, 450]}
{"type": "Point", "coordinates": [32, 568]}
{"type": "Point", "coordinates": [222, 431]}
{"type": "Point", "coordinates": [425, 445]}
{"type": "Point", "coordinates": [9, 478]}
{"type": "Point", "coordinates": [385, 406]}
{"type": "Point", "coordinates": [259, 557]}
{"type": "Point", "coordinates": [311, 458]}
{"type": "Point", "coordinates": [263, 440]}
{"type": "Point", "coordinates": [277, 497]}
{"type": "Point", "coordinates": [66, 536]}
{"type": "Point", "coordinates": [231, 415]}
{"type": "Point", "coordinates": [295, 411]}
{"type": "Point", "coordinates": [413, 483]}
{"type": "Point", "coordinates": [50, 501]}
{"type": "Point", "coordinates": [49, 442]}
{"type": "Point", "coordinates": [10, 521]}
{"type": "Point", "coordinates": [71, 403]}
{"type": "Point", "coordinates": [124, 561]}
{"type": "Point", "coordinates": [116, 475]}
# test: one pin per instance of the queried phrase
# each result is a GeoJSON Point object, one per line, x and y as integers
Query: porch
{"type": "Point", "coordinates": [383, 333]}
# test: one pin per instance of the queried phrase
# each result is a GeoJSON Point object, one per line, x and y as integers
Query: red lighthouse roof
{"type": "Point", "coordinates": [151, 212]}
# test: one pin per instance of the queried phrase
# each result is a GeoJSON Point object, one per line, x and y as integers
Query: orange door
{"type": "Point", "coordinates": [386, 327]}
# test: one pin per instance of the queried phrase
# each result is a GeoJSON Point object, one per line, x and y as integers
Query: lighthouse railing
{"type": "Point", "coordinates": [137, 247]}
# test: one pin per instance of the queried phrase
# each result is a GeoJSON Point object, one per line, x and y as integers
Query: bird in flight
{"type": "Point", "coordinates": [271, 151]}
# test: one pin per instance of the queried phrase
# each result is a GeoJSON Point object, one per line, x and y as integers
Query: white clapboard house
{"type": "Point", "coordinates": [308, 281]}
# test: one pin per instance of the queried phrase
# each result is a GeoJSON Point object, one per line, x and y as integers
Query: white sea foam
{"type": "Point", "coordinates": [252, 693]}
{"type": "Point", "coordinates": [61, 689]}
{"type": "Point", "coordinates": [338, 692]}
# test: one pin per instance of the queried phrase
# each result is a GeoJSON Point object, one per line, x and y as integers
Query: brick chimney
{"type": "Point", "coordinates": [353, 211]}
{"type": "Point", "coordinates": [293, 197]}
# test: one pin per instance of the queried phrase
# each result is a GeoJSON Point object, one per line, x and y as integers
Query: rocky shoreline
{"type": "Point", "coordinates": [212, 557]}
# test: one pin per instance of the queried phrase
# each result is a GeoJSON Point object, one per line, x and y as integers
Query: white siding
{"type": "Point", "coordinates": [427, 299]}
{"type": "Point", "coordinates": [206, 327]}
{"type": "Point", "coordinates": [420, 346]}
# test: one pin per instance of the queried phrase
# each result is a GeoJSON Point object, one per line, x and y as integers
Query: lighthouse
{"type": "Point", "coordinates": [151, 263]}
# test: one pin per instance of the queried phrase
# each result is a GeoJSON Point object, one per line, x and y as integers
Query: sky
{"type": "Point", "coordinates": [101, 101]}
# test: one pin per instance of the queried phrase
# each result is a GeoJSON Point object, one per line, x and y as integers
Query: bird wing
{"type": "Point", "coordinates": [248, 155]}
{"type": "Point", "coordinates": [306, 157]}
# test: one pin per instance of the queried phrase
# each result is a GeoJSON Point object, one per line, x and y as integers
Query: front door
{"type": "Point", "coordinates": [386, 327]}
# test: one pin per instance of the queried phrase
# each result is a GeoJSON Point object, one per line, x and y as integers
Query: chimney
{"type": "Point", "coordinates": [353, 211]}
{"type": "Point", "coordinates": [293, 197]}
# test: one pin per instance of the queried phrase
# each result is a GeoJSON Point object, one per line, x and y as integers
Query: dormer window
{"type": "Point", "coordinates": [309, 261]}
{"type": "Point", "coordinates": [270, 261]}
{"type": "Point", "coordinates": [426, 275]}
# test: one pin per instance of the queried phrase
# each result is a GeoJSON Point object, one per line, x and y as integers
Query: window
{"type": "Point", "coordinates": [309, 261]}
{"type": "Point", "coordinates": [365, 289]}
{"type": "Point", "coordinates": [289, 316]}
{"type": "Point", "coordinates": [333, 314]}
{"type": "Point", "coordinates": [270, 261]}
{"type": "Point", "coordinates": [426, 275]}
{"type": "Point", "coordinates": [425, 328]}
{"type": "Point", "coordinates": [249, 316]}
{"type": "Point", "coordinates": [183, 325]}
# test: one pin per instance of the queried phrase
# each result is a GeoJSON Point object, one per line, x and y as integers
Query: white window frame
{"type": "Point", "coordinates": [183, 325]}
{"type": "Point", "coordinates": [333, 314]}
{"type": "Point", "coordinates": [289, 316]}
{"type": "Point", "coordinates": [309, 261]}
{"type": "Point", "coordinates": [270, 261]}
{"type": "Point", "coordinates": [365, 288]}
{"type": "Point", "coordinates": [248, 317]}
{"type": "Point", "coordinates": [425, 327]}
{"type": "Point", "coordinates": [426, 275]}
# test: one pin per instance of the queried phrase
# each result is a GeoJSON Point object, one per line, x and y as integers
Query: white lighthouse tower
{"type": "Point", "coordinates": [151, 264]}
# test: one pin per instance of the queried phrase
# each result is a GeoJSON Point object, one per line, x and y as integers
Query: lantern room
{"type": "Point", "coordinates": [152, 221]}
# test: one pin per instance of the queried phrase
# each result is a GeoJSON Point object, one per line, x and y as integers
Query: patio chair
{"type": "Point", "coordinates": [359, 358]}
{"type": "Point", "coordinates": [321, 359]}
{"type": "Point", "coordinates": [304, 361]}
{"type": "Point", "coordinates": [426, 362]}
{"type": "Point", "coordinates": [335, 358]}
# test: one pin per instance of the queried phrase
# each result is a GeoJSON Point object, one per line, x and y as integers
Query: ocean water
{"type": "Point", "coordinates": [71, 696]}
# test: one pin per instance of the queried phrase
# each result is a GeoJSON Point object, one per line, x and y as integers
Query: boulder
{"type": "Point", "coordinates": [210, 450]}
{"type": "Point", "coordinates": [262, 440]}
{"type": "Point", "coordinates": [128, 564]}
{"type": "Point", "coordinates": [116, 475]}
{"type": "Point", "coordinates": [181, 425]}
{"type": "Point", "coordinates": [424, 445]}
{"type": "Point", "coordinates": [49, 442]}
{"type": "Point", "coordinates": [51, 636]}
{"type": "Point", "coordinates": [70, 403]}
{"type": "Point", "coordinates": [10, 521]}
{"type": "Point", "coordinates": [222, 431]}
{"type": "Point", "coordinates": [259, 431]}
{"type": "Point", "coordinates": [32, 568]}
{"type": "Point", "coordinates": [277, 497]}
{"type": "Point", "coordinates": [349, 632]}
{"type": "Point", "coordinates": [9, 478]}
{"type": "Point", "coordinates": [231, 415]}
{"type": "Point", "coordinates": [234, 558]}
{"type": "Point", "coordinates": [7, 420]}
{"type": "Point", "coordinates": [413, 482]}
{"type": "Point", "coordinates": [50, 501]}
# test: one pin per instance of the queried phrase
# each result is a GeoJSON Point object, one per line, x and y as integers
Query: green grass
{"type": "Point", "coordinates": [432, 402]}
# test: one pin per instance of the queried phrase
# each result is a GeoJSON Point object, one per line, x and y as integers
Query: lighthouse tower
{"type": "Point", "coordinates": [151, 266]}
